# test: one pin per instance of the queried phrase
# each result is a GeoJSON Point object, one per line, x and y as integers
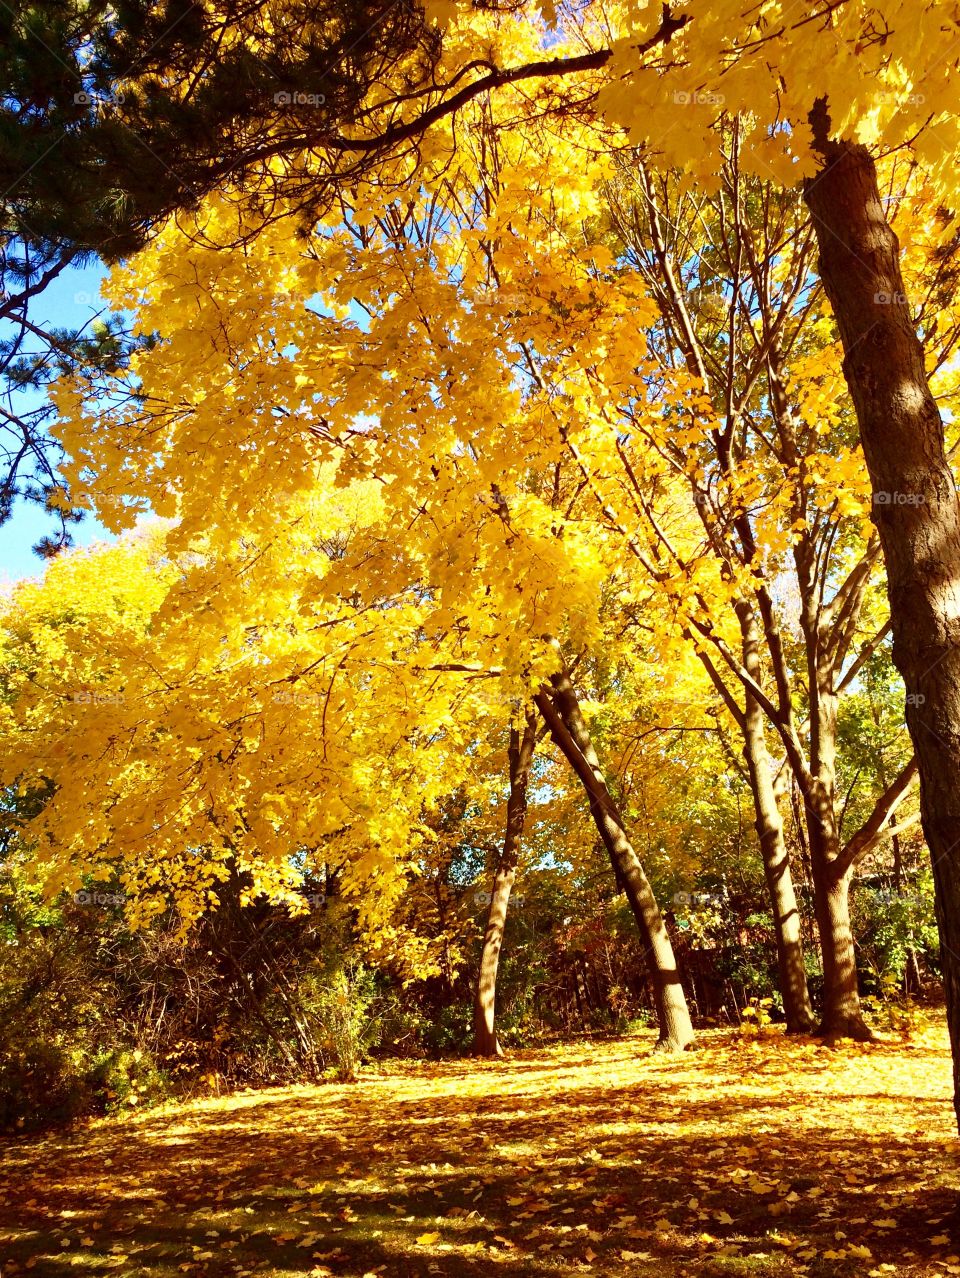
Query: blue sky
{"type": "Point", "coordinates": [67, 303]}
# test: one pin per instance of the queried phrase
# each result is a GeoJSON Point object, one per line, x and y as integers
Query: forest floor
{"type": "Point", "coordinates": [740, 1159]}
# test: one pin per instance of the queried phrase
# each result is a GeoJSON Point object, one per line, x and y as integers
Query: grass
{"type": "Point", "coordinates": [740, 1159]}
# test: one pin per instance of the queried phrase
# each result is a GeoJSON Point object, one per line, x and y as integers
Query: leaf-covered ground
{"type": "Point", "coordinates": [764, 1159]}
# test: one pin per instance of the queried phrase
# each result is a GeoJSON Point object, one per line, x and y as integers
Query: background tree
{"type": "Point", "coordinates": [520, 759]}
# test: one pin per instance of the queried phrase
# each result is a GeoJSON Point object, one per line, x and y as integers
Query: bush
{"type": "Point", "coordinates": [896, 929]}
{"type": "Point", "coordinates": [122, 1079]}
{"type": "Point", "coordinates": [449, 1032]}
{"type": "Point", "coordinates": [40, 1087]}
{"type": "Point", "coordinates": [48, 1086]}
{"type": "Point", "coordinates": [639, 1024]}
{"type": "Point", "coordinates": [345, 1011]}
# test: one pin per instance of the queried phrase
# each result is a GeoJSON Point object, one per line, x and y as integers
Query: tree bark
{"type": "Point", "coordinates": [916, 507]}
{"type": "Point", "coordinates": [797, 1007]}
{"type": "Point", "coordinates": [842, 1013]}
{"type": "Point", "coordinates": [485, 1041]}
{"type": "Point", "coordinates": [558, 704]}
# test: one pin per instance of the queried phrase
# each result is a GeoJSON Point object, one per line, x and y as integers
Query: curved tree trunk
{"type": "Point", "coordinates": [558, 704]}
{"type": "Point", "coordinates": [916, 506]}
{"type": "Point", "coordinates": [485, 1042]}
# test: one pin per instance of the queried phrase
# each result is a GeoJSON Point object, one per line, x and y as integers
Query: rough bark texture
{"type": "Point", "coordinates": [916, 507]}
{"type": "Point", "coordinates": [485, 1041]}
{"type": "Point", "coordinates": [561, 711]}
{"type": "Point", "coordinates": [842, 1013]}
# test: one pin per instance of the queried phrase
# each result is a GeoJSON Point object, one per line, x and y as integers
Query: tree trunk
{"type": "Point", "coordinates": [485, 1042]}
{"type": "Point", "coordinates": [558, 704]}
{"type": "Point", "coordinates": [916, 506]}
{"type": "Point", "coordinates": [797, 1007]}
{"type": "Point", "coordinates": [842, 1013]}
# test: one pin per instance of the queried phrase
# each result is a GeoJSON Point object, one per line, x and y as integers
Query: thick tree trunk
{"type": "Point", "coordinates": [797, 1007]}
{"type": "Point", "coordinates": [561, 711]}
{"type": "Point", "coordinates": [916, 506]}
{"type": "Point", "coordinates": [842, 1013]}
{"type": "Point", "coordinates": [485, 1042]}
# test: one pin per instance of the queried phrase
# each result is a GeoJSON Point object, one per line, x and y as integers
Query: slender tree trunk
{"type": "Point", "coordinates": [561, 711]}
{"type": "Point", "coordinates": [578, 999]}
{"type": "Point", "coordinates": [797, 1007]}
{"type": "Point", "coordinates": [897, 849]}
{"type": "Point", "coordinates": [485, 1042]}
{"type": "Point", "coordinates": [914, 963]}
{"type": "Point", "coordinates": [916, 505]}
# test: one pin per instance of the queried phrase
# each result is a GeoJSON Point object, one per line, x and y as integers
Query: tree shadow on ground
{"type": "Point", "coordinates": [770, 1160]}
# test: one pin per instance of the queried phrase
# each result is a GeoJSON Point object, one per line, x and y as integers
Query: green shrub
{"type": "Point", "coordinates": [644, 1020]}
{"type": "Point", "coordinates": [122, 1079]}
{"type": "Point", "coordinates": [40, 1086]}
{"type": "Point", "coordinates": [895, 928]}
{"type": "Point", "coordinates": [346, 1014]}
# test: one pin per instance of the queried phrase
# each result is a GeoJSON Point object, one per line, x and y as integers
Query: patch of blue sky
{"type": "Point", "coordinates": [69, 302]}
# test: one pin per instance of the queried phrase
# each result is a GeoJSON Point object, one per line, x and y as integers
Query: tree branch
{"type": "Point", "coordinates": [872, 831]}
